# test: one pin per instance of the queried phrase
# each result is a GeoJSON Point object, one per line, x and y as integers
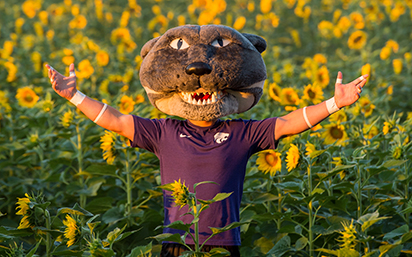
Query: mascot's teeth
{"type": "Point", "coordinates": [201, 98]}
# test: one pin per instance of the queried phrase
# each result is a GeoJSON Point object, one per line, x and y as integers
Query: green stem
{"type": "Point", "coordinates": [311, 219]}
{"type": "Point", "coordinates": [128, 185]}
{"type": "Point", "coordinates": [359, 192]}
{"type": "Point", "coordinates": [279, 222]}
{"type": "Point", "coordinates": [48, 238]}
{"type": "Point", "coordinates": [80, 170]}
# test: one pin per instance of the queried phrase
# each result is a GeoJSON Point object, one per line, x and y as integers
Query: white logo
{"type": "Point", "coordinates": [221, 137]}
{"type": "Point", "coordinates": [183, 135]}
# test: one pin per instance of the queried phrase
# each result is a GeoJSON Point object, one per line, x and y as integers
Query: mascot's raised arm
{"type": "Point", "coordinates": [203, 73]}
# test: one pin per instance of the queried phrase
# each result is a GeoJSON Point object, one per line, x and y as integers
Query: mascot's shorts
{"type": "Point", "coordinates": [174, 250]}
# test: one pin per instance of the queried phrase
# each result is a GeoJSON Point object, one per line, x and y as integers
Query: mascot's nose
{"type": "Point", "coordinates": [198, 68]}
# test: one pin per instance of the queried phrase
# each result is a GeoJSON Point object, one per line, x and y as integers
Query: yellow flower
{"type": "Point", "coordinates": [139, 99]}
{"type": "Point", "coordinates": [30, 7]}
{"type": "Point", "coordinates": [347, 237]}
{"type": "Point", "coordinates": [310, 148]}
{"type": "Point", "coordinates": [289, 96]}
{"type": "Point", "coordinates": [385, 53]}
{"type": "Point", "coordinates": [397, 66]}
{"type": "Point", "coordinates": [4, 101]}
{"type": "Point", "coordinates": [269, 162]}
{"type": "Point", "coordinates": [67, 118]}
{"type": "Point", "coordinates": [26, 97]}
{"type": "Point", "coordinates": [367, 106]}
{"type": "Point", "coordinates": [275, 92]}
{"type": "Point", "coordinates": [325, 28]}
{"type": "Point", "coordinates": [126, 104]}
{"type": "Point", "coordinates": [12, 70]}
{"type": "Point", "coordinates": [85, 69]}
{"type": "Point", "coordinates": [392, 44]}
{"type": "Point", "coordinates": [71, 232]}
{"type": "Point", "coordinates": [180, 193]}
{"type": "Point", "coordinates": [358, 20]}
{"type": "Point", "coordinates": [370, 131]}
{"type": "Point", "coordinates": [320, 58]}
{"type": "Point", "coordinates": [338, 117]}
{"type": "Point", "coordinates": [387, 127]}
{"type": "Point", "coordinates": [107, 146]}
{"type": "Point", "coordinates": [357, 40]}
{"type": "Point", "coordinates": [344, 24]}
{"type": "Point", "coordinates": [79, 22]}
{"type": "Point", "coordinates": [239, 23]}
{"type": "Point", "coordinates": [366, 69]}
{"type": "Point", "coordinates": [102, 58]}
{"type": "Point", "coordinates": [335, 133]}
{"type": "Point", "coordinates": [397, 152]}
{"type": "Point", "coordinates": [265, 6]}
{"type": "Point", "coordinates": [322, 77]}
{"type": "Point", "coordinates": [68, 59]}
{"type": "Point", "coordinates": [313, 93]}
{"type": "Point", "coordinates": [24, 210]}
{"type": "Point", "coordinates": [292, 157]}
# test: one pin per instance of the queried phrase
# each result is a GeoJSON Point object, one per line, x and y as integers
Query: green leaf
{"type": "Point", "coordinates": [221, 196]}
{"type": "Point", "coordinates": [281, 247]}
{"type": "Point", "coordinates": [180, 225]}
{"type": "Point", "coordinates": [169, 237]}
{"type": "Point", "coordinates": [398, 232]}
{"type": "Point", "coordinates": [102, 170]}
{"type": "Point", "coordinates": [406, 237]}
{"type": "Point", "coordinates": [348, 253]}
{"type": "Point", "coordinates": [334, 252]}
{"type": "Point", "coordinates": [141, 251]}
{"type": "Point", "coordinates": [33, 251]}
{"type": "Point", "coordinates": [216, 252]}
{"type": "Point", "coordinates": [228, 227]}
{"type": "Point", "coordinates": [393, 163]}
{"type": "Point", "coordinates": [369, 219]}
{"type": "Point", "coordinates": [167, 187]}
{"type": "Point", "coordinates": [301, 243]}
{"type": "Point", "coordinates": [76, 210]}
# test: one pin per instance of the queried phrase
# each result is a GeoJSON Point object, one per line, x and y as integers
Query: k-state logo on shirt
{"type": "Point", "coordinates": [221, 137]}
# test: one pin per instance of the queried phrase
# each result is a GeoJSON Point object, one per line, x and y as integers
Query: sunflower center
{"type": "Point", "coordinates": [271, 159]}
{"type": "Point", "coordinates": [28, 98]}
{"type": "Point", "coordinates": [336, 133]}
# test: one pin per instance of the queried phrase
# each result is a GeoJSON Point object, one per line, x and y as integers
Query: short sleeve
{"type": "Point", "coordinates": [261, 134]}
{"type": "Point", "coordinates": [146, 133]}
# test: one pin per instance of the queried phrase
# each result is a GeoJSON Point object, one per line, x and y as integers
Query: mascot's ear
{"type": "Point", "coordinates": [257, 41]}
{"type": "Point", "coordinates": [148, 46]}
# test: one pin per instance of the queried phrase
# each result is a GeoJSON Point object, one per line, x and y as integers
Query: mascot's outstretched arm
{"type": "Point", "coordinates": [102, 114]}
{"type": "Point", "coordinates": [307, 117]}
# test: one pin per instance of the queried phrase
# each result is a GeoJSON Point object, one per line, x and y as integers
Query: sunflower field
{"type": "Point", "coordinates": [70, 188]}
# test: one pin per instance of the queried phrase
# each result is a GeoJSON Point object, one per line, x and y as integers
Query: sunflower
{"type": "Point", "coordinates": [126, 104]}
{"type": "Point", "coordinates": [102, 58]}
{"type": "Point", "coordinates": [180, 193]}
{"type": "Point", "coordinates": [338, 117]}
{"type": "Point", "coordinates": [274, 92]}
{"type": "Point", "coordinates": [292, 157]}
{"type": "Point", "coordinates": [348, 236]}
{"type": "Point", "coordinates": [269, 162]}
{"type": "Point", "coordinates": [239, 23]}
{"type": "Point", "coordinates": [310, 148]}
{"type": "Point", "coordinates": [366, 69]}
{"type": "Point", "coordinates": [397, 66]}
{"type": "Point", "coordinates": [67, 118]}
{"type": "Point", "coordinates": [27, 97]}
{"type": "Point", "coordinates": [72, 231]}
{"type": "Point", "coordinates": [85, 69]}
{"type": "Point", "coordinates": [107, 146]}
{"type": "Point", "coordinates": [24, 210]}
{"type": "Point", "coordinates": [357, 40]}
{"type": "Point", "coordinates": [358, 20]}
{"type": "Point", "coordinates": [367, 106]}
{"type": "Point", "coordinates": [335, 133]}
{"type": "Point", "coordinates": [322, 77]}
{"type": "Point", "coordinates": [387, 127]}
{"type": "Point", "coordinates": [4, 101]}
{"type": "Point", "coordinates": [385, 53]}
{"type": "Point", "coordinates": [289, 96]}
{"type": "Point", "coordinates": [313, 93]}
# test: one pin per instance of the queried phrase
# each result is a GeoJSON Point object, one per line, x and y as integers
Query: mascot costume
{"type": "Point", "coordinates": [203, 73]}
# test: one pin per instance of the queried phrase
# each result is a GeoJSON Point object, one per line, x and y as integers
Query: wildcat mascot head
{"type": "Point", "coordinates": [203, 72]}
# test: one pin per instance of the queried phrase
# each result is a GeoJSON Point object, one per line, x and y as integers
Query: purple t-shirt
{"type": "Point", "coordinates": [193, 154]}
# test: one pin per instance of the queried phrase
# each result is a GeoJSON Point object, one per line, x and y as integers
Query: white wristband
{"type": "Point", "coordinates": [331, 105]}
{"type": "Point", "coordinates": [101, 113]}
{"type": "Point", "coordinates": [77, 98]}
{"type": "Point", "coordinates": [306, 118]}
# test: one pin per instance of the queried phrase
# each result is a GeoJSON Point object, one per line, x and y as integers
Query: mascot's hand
{"type": "Point", "coordinates": [347, 94]}
{"type": "Point", "coordinates": [64, 86]}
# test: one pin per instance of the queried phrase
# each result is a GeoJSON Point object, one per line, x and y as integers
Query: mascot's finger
{"type": "Point", "coordinates": [339, 78]}
{"type": "Point", "coordinates": [72, 72]}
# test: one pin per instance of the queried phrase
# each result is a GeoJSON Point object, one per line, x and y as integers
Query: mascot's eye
{"type": "Point", "coordinates": [179, 43]}
{"type": "Point", "coordinates": [220, 42]}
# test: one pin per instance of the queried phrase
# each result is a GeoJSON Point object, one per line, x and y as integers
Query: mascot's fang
{"type": "Point", "coordinates": [201, 98]}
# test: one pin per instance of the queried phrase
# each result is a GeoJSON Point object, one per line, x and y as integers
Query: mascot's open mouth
{"type": "Point", "coordinates": [202, 98]}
